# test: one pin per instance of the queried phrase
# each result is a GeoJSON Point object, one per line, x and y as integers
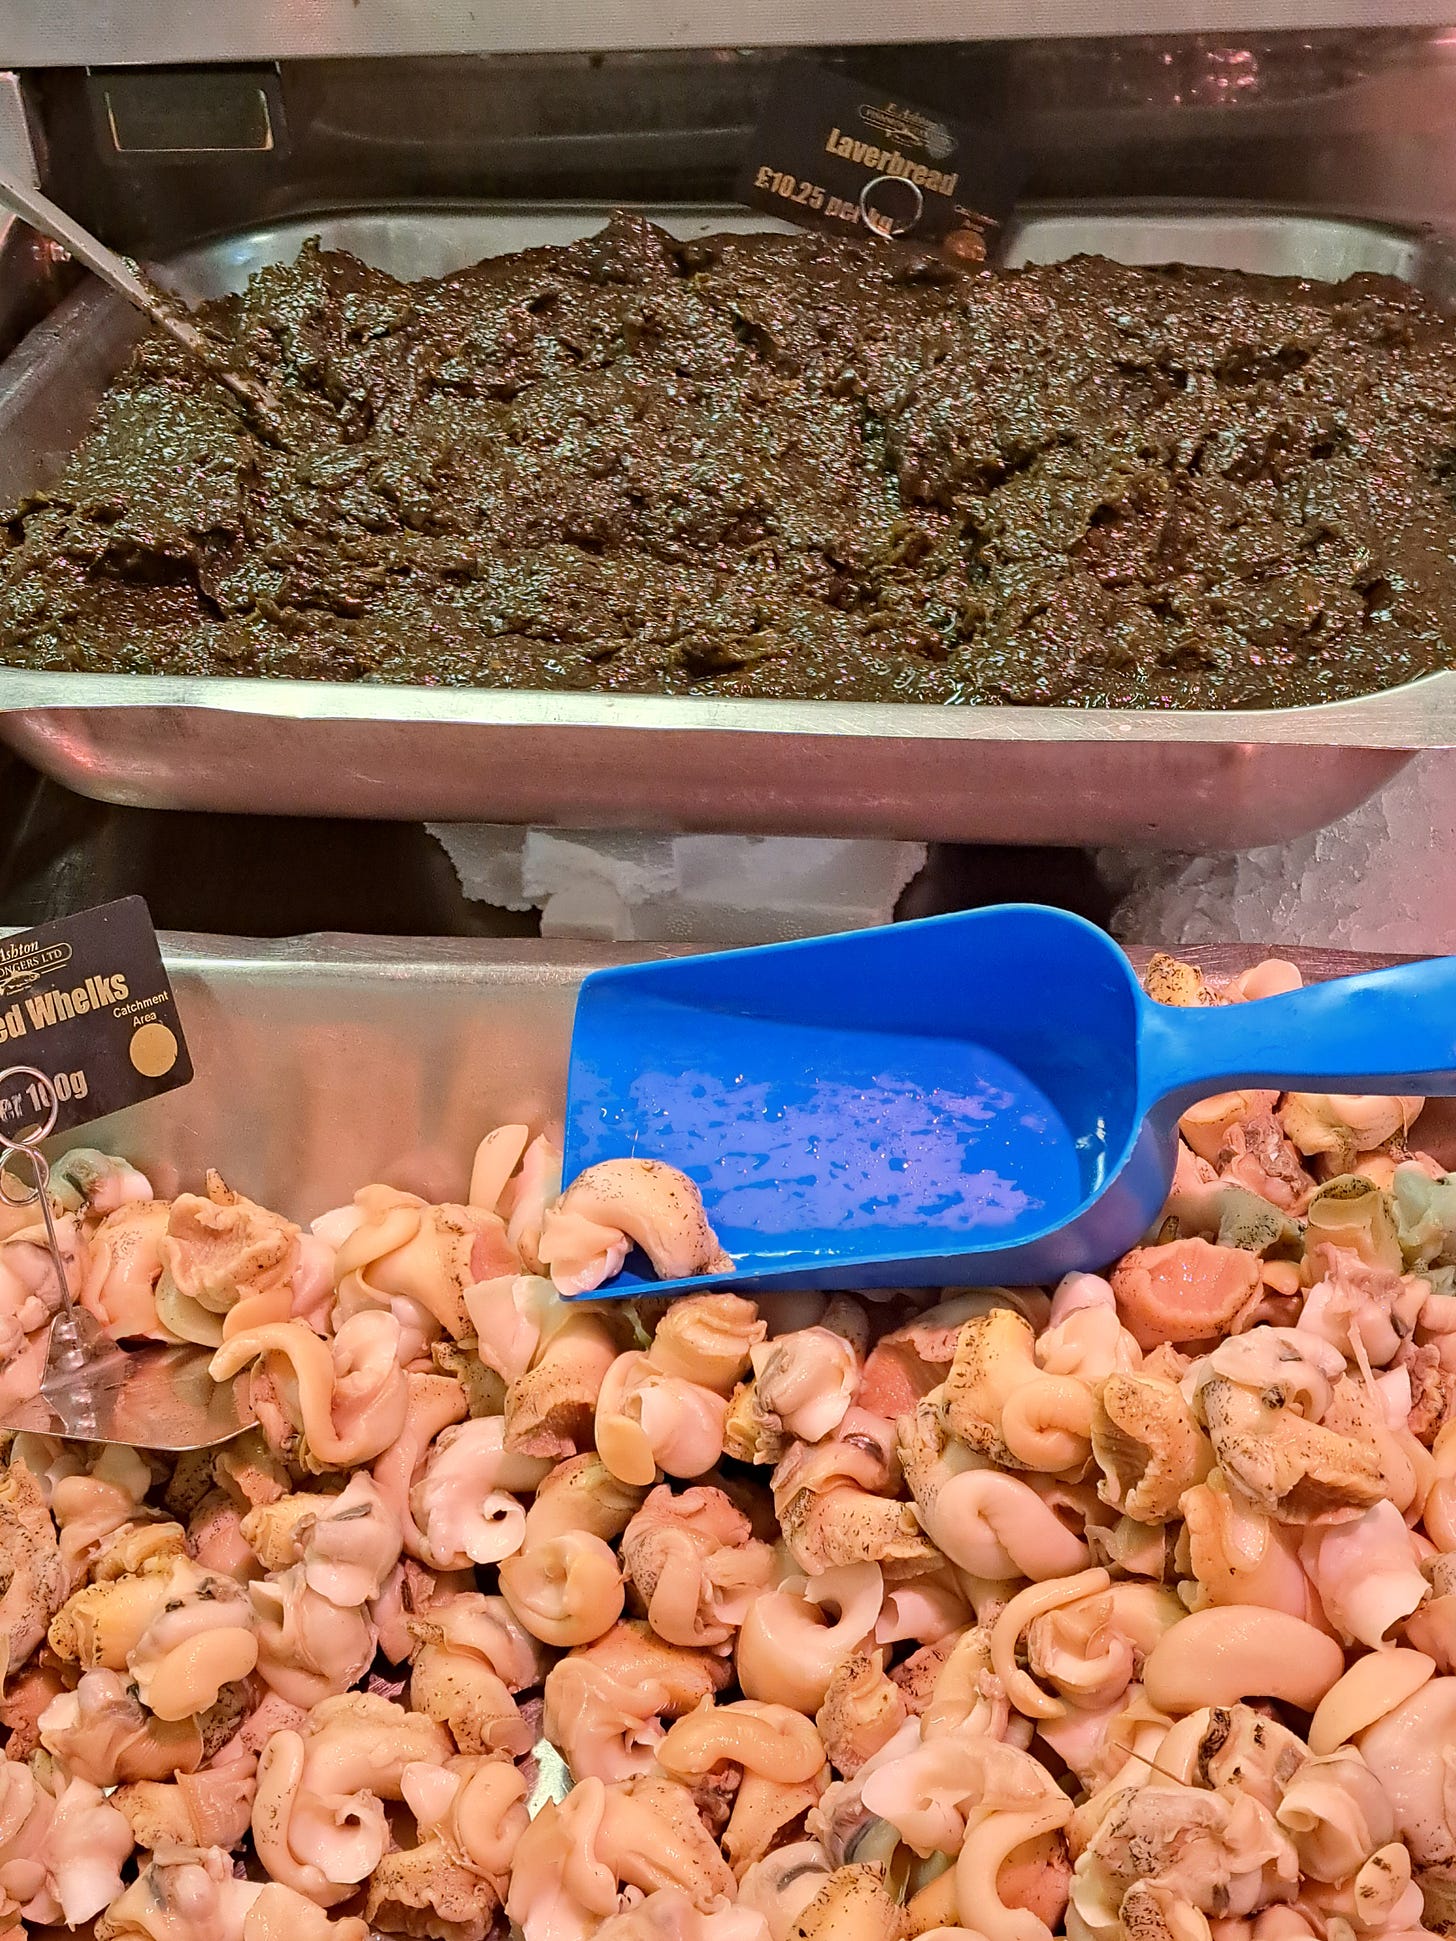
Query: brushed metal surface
{"type": "Point", "coordinates": [761, 767]}
{"type": "Point", "coordinates": [325, 1062]}
{"type": "Point", "coordinates": [1030, 775]}
{"type": "Point", "coordinates": [1295, 245]}
{"type": "Point", "coordinates": [34, 274]}
{"type": "Point", "coordinates": [64, 33]}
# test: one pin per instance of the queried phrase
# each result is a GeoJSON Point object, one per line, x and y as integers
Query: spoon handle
{"type": "Point", "coordinates": [1386, 1031]}
{"type": "Point", "coordinates": [43, 214]}
{"type": "Point", "coordinates": [168, 314]}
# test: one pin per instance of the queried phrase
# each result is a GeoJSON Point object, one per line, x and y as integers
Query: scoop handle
{"type": "Point", "coordinates": [1384, 1031]}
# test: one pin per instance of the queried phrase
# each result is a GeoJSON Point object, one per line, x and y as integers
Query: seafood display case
{"type": "Point", "coordinates": [1300, 143]}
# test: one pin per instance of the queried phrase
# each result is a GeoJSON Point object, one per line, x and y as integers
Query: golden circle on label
{"type": "Point", "coordinates": [153, 1050]}
{"type": "Point", "coordinates": [968, 244]}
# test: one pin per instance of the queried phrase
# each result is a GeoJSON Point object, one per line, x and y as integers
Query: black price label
{"type": "Point", "coordinates": [85, 1001]}
{"type": "Point", "coordinates": [835, 154]}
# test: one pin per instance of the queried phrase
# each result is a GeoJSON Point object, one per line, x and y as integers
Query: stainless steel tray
{"type": "Point", "coordinates": [326, 1062]}
{"type": "Point", "coordinates": [1030, 775]}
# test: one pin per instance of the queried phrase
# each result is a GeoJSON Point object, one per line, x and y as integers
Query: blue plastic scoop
{"type": "Point", "coordinates": [970, 1100]}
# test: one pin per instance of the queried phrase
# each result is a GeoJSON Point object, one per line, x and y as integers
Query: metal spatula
{"type": "Point", "coordinates": [167, 312]}
{"type": "Point", "coordinates": [148, 1397]}
{"type": "Point", "coordinates": [971, 1100]}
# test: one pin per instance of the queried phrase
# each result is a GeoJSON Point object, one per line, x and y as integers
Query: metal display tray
{"type": "Point", "coordinates": [326, 1062]}
{"type": "Point", "coordinates": [1181, 780]}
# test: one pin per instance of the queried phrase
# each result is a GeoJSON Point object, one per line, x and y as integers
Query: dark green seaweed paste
{"type": "Point", "coordinates": [772, 465]}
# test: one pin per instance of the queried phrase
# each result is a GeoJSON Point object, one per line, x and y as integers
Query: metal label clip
{"type": "Point", "coordinates": [81, 1359]}
{"type": "Point", "coordinates": [153, 1396]}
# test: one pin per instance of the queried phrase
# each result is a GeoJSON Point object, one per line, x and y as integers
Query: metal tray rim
{"type": "Point", "coordinates": [1030, 211]}
{"type": "Point", "coordinates": [551, 960]}
{"type": "Point", "coordinates": [1419, 714]}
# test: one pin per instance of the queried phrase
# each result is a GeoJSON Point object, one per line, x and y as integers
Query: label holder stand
{"type": "Point", "coordinates": [153, 1396]}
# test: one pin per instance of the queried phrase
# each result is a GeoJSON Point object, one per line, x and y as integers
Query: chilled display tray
{"type": "Point", "coordinates": [1181, 780]}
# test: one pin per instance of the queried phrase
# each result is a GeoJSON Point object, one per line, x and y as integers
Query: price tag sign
{"type": "Point", "coordinates": [834, 153]}
{"type": "Point", "coordinates": [86, 1007]}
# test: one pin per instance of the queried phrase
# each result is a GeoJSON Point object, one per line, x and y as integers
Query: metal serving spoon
{"type": "Point", "coordinates": [148, 1397]}
{"type": "Point", "coordinates": [167, 312]}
